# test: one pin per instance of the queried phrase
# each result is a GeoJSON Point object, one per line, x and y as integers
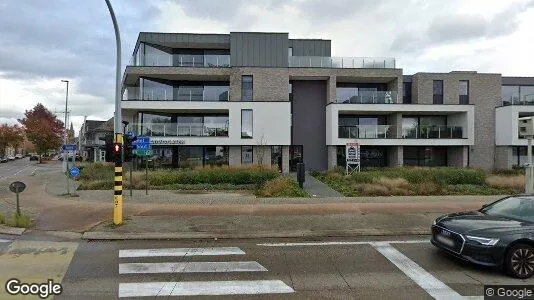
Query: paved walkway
{"type": "Point", "coordinates": [316, 188]}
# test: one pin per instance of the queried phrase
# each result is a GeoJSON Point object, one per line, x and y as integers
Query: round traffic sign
{"type": "Point", "coordinates": [74, 172]}
{"type": "Point", "coordinates": [17, 187]}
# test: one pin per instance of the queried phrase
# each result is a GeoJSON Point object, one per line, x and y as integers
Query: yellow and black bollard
{"type": "Point", "coordinates": [117, 196]}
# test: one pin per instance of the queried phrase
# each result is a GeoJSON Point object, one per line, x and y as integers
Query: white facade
{"type": "Point", "coordinates": [271, 121]}
{"type": "Point", "coordinates": [507, 124]}
{"type": "Point", "coordinates": [457, 115]}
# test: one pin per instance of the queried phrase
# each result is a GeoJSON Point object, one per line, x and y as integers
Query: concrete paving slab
{"type": "Point", "coordinates": [11, 230]}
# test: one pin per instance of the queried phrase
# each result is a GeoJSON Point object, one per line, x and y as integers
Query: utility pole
{"type": "Point", "coordinates": [117, 197]}
{"type": "Point", "coordinates": [65, 164]}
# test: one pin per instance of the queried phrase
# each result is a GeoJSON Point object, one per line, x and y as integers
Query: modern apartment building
{"type": "Point", "coordinates": [248, 97]}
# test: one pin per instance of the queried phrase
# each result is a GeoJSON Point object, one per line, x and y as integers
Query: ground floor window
{"type": "Point", "coordinates": [425, 156]}
{"type": "Point", "coordinates": [247, 156]}
{"type": "Point", "coordinates": [276, 156]}
{"type": "Point", "coordinates": [520, 156]}
{"type": "Point", "coordinates": [370, 157]}
{"type": "Point", "coordinates": [190, 156]}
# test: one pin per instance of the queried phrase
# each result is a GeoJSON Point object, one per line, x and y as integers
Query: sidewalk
{"type": "Point", "coordinates": [172, 214]}
{"type": "Point", "coordinates": [316, 188]}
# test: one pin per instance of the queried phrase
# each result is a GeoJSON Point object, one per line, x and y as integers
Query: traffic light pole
{"type": "Point", "coordinates": [117, 197]}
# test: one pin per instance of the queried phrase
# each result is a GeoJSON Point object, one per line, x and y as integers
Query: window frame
{"type": "Point", "coordinates": [243, 82]}
{"type": "Point", "coordinates": [251, 123]}
{"type": "Point", "coordinates": [465, 99]}
{"type": "Point", "coordinates": [437, 98]}
{"type": "Point", "coordinates": [252, 151]}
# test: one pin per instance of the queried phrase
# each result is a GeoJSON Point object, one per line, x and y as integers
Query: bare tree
{"type": "Point", "coordinates": [260, 151]}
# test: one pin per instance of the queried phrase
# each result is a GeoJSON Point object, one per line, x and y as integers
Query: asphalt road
{"type": "Point", "coordinates": [16, 168]}
{"type": "Point", "coordinates": [362, 268]}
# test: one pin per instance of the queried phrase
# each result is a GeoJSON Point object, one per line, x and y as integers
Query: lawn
{"type": "Point", "coordinates": [266, 181]}
{"type": "Point", "coordinates": [405, 181]}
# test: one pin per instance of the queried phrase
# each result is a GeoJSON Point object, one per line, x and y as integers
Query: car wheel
{"type": "Point", "coordinates": [520, 261]}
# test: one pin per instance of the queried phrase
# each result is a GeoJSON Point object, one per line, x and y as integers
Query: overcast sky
{"type": "Point", "coordinates": [43, 42]}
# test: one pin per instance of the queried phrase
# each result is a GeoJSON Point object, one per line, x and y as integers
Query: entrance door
{"type": "Point", "coordinates": [296, 156]}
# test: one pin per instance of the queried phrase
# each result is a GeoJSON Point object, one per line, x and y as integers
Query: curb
{"type": "Point", "coordinates": [11, 230]}
{"type": "Point", "coordinates": [104, 235]}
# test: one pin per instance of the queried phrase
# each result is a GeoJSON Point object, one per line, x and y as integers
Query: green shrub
{"type": "Point", "coordinates": [23, 220]}
{"type": "Point", "coordinates": [281, 187]}
{"type": "Point", "coordinates": [96, 185]}
{"type": "Point", "coordinates": [97, 171]}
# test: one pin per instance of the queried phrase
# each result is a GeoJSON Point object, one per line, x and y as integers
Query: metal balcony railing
{"type": "Point", "coordinates": [367, 97]}
{"type": "Point", "coordinates": [341, 62]}
{"type": "Point", "coordinates": [433, 132]}
{"type": "Point", "coordinates": [180, 129]}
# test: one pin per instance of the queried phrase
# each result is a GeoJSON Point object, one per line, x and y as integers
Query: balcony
{"type": "Point", "coordinates": [206, 93]}
{"type": "Point", "coordinates": [367, 97]}
{"type": "Point", "coordinates": [341, 62]}
{"type": "Point", "coordinates": [182, 60]}
{"type": "Point", "coordinates": [367, 132]}
{"type": "Point", "coordinates": [433, 132]}
{"type": "Point", "coordinates": [180, 130]}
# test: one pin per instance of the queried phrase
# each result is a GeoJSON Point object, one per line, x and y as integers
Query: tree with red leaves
{"type": "Point", "coordinates": [10, 136]}
{"type": "Point", "coordinates": [43, 129]}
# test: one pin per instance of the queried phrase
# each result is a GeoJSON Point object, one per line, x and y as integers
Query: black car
{"type": "Point", "coordinates": [34, 157]}
{"type": "Point", "coordinates": [500, 234]}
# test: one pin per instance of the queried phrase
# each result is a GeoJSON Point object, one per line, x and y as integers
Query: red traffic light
{"type": "Point", "coordinates": [117, 147]}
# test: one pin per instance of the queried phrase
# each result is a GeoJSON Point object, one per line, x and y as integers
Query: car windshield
{"type": "Point", "coordinates": [519, 208]}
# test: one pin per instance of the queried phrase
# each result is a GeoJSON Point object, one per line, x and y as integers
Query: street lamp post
{"type": "Point", "coordinates": [117, 197]}
{"type": "Point", "coordinates": [65, 136]}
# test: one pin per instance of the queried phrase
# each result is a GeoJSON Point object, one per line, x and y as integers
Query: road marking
{"type": "Point", "coordinates": [4, 241]}
{"type": "Point", "coordinates": [339, 243]}
{"type": "Point", "coordinates": [425, 280]}
{"type": "Point", "coordinates": [203, 288]}
{"type": "Point", "coordinates": [191, 267]}
{"type": "Point", "coordinates": [5, 177]}
{"type": "Point", "coordinates": [180, 252]}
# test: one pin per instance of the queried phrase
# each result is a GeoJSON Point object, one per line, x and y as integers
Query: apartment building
{"type": "Point", "coordinates": [249, 97]}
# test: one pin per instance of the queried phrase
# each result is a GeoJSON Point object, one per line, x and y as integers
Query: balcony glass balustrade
{"type": "Point", "coordinates": [433, 132]}
{"type": "Point", "coordinates": [348, 96]}
{"type": "Point", "coordinates": [182, 60]}
{"type": "Point", "coordinates": [186, 93]}
{"type": "Point", "coordinates": [180, 130]}
{"type": "Point", "coordinates": [389, 132]}
{"type": "Point", "coordinates": [341, 62]}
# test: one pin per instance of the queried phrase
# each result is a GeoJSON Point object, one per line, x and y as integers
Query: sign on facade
{"type": "Point", "coordinates": [352, 155]}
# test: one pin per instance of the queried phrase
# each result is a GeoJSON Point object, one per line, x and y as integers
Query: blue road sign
{"type": "Point", "coordinates": [70, 147]}
{"type": "Point", "coordinates": [130, 134]}
{"type": "Point", "coordinates": [142, 140]}
{"type": "Point", "coordinates": [74, 172]}
{"type": "Point", "coordinates": [143, 146]}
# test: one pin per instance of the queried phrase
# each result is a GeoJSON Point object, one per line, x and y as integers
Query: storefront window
{"type": "Point", "coordinates": [216, 155]}
{"type": "Point", "coordinates": [425, 156]}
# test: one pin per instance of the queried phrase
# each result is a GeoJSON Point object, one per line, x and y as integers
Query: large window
{"type": "Point", "coordinates": [154, 124]}
{"type": "Point", "coordinates": [246, 88]}
{"type": "Point", "coordinates": [154, 90]}
{"type": "Point", "coordinates": [197, 156]}
{"type": "Point", "coordinates": [365, 127]}
{"type": "Point", "coordinates": [438, 92]}
{"type": "Point", "coordinates": [246, 124]}
{"type": "Point", "coordinates": [425, 156]}
{"type": "Point", "coordinates": [364, 93]}
{"type": "Point", "coordinates": [247, 156]}
{"type": "Point", "coordinates": [517, 95]}
{"type": "Point", "coordinates": [407, 93]}
{"type": "Point", "coordinates": [202, 125]}
{"type": "Point", "coordinates": [463, 92]}
{"type": "Point", "coordinates": [216, 155]}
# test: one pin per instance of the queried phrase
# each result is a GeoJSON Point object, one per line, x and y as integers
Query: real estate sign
{"type": "Point", "coordinates": [352, 155]}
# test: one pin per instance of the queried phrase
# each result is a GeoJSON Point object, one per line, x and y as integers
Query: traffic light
{"type": "Point", "coordinates": [117, 152]}
{"type": "Point", "coordinates": [129, 147]}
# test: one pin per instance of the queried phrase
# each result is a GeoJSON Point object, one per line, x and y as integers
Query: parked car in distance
{"type": "Point", "coordinates": [3, 159]}
{"type": "Point", "coordinates": [10, 157]}
{"type": "Point", "coordinates": [34, 157]}
{"type": "Point", "coordinates": [500, 234]}
{"type": "Point", "coordinates": [18, 156]}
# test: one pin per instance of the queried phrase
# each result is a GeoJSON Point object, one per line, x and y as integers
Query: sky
{"type": "Point", "coordinates": [44, 42]}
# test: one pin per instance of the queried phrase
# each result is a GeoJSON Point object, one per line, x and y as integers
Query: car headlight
{"type": "Point", "coordinates": [482, 240]}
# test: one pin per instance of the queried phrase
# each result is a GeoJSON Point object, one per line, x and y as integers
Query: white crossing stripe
{"type": "Point", "coordinates": [340, 243]}
{"type": "Point", "coordinates": [191, 267]}
{"type": "Point", "coordinates": [203, 288]}
{"type": "Point", "coordinates": [425, 280]}
{"type": "Point", "coordinates": [180, 252]}
{"type": "Point", "coordinates": [5, 241]}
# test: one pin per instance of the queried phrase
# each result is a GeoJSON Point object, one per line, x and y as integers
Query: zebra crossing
{"type": "Point", "coordinates": [187, 265]}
